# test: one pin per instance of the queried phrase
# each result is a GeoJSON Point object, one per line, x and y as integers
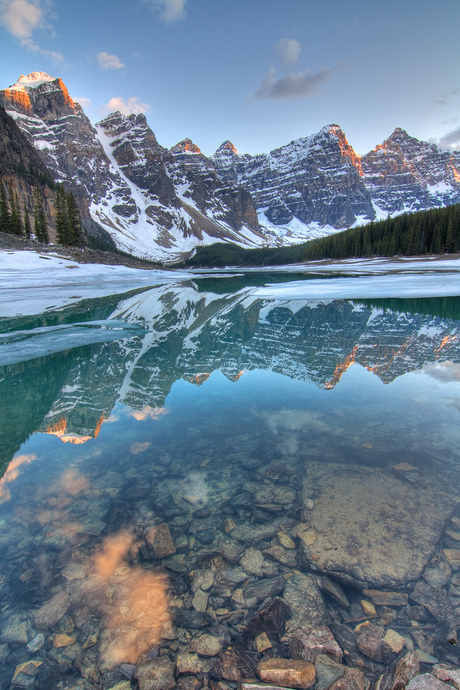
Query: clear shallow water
{"type": "Point", "coordinates": [224, 421]}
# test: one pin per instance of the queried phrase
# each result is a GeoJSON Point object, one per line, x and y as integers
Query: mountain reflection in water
{"type": "Point", "coordinates": [220, 450]}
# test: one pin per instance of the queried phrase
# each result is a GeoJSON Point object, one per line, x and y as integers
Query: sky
{"type": "Point", "coordinates": [258, 72]}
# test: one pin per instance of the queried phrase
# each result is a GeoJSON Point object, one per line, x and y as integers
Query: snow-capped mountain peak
{"type": "Point", "coordinates": [31, 80]}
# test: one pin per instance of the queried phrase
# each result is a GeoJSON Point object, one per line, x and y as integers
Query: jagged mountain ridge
{"type": "Point", "coordinates": [122, 177]}
{"type": "Point", "coordinates": [160, 203]}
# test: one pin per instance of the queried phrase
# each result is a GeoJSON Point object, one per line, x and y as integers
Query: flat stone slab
{"type": "Point", "coordinates": [373, 530]}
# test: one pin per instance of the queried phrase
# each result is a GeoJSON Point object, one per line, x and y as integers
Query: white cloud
{"type": "Point", "coordinates": [22, 18]}
{"type": "Point", "coordinates": [84, 102]}
{"type": "Point", "coordinates": [169, 10]}
{"type": "Point", "coordinates": [450, 140]}
{"type": "Point", "coordinates": [294, 85]}
{"type": "Point", "coordinates": [108, 61]}
{"type": "Point", "coordinates": [132, 105]}
{"type": "Point", "coordinates": [288, 51]}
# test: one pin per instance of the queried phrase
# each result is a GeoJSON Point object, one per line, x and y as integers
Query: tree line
{"type": "Point", "coordinates": [436, 231]}
{"type": "Point", "coordinates": [15, 220]}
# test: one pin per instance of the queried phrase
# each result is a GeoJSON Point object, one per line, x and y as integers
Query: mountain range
{"type": "Point", "coordinates": [160, 203]}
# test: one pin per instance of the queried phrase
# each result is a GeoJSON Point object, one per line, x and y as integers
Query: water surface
{"type": "Point", "coordinates": [193, 428]}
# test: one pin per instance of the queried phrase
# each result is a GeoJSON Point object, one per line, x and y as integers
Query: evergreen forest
{"type": "Point", "coordinates": [436, 231]}
{"type": "Point", "coordinates": [16, 220]}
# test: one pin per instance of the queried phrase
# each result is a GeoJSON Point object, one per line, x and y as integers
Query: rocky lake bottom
{"type": "Point", "coordinates": [245, 494]}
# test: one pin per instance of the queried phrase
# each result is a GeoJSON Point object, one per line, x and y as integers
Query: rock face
{"type": "Point", "coordinates": [131, 192]}
{"type": "Point", "coordinates": [64, 139]}
{"type": "Point", "coordinates": [23, 171]}
{"type": "Point", "coordinates": [361, 537]}
{"type": "Point", "coordinates": [405, 174]}
{"type": "Point", "coordinates": [317, 179]}
{"type": "Point", "coordinates": [321, 180]}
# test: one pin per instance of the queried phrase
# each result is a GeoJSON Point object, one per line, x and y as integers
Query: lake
{"type": "Point", "coordinates": [200, 474]}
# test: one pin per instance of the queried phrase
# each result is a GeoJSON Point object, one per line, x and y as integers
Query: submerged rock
{"type": "Point", "coordinates": [303, 596]}
{"type": "Point", "coordinates": [308, 643]}
{"type": "Point", "coordinates": [426, 681]}
{"type": "Point", "coordinates": [190, 619]}
{"type": "Point", "coordinates": [372, 529]}
{"type": "Point", "coordinates": [160, 540]}
{"type": "Point", "coordinates": [52, 610]}
{"type": "Point", "coordinates": [288, 672]}
{"type": "Point", "coordinates": [156, 674]}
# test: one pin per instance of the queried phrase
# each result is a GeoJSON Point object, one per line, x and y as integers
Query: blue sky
{"type": "Point", "coordinates": [257, 72]}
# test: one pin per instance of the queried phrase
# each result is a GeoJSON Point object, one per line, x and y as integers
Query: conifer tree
{"type": "Point", "coordinates": [27, 228]}
{"type": "Point", "coordinates": [5, 215]}
{"type": "Point", "coordinates": [61, 216]}
{"type": "Point", "coordinates": [40, 229]}
{"type": "Point", "coordinates": [16, 223]}
{"type": "Point", "coordinates": [73, 221]}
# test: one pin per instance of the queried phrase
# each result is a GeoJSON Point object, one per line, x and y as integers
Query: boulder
{"type": "Point", "coordinates": [372, 529]}
{"type": "Point", "coordinates": [288, 672]}
{"type": "Point", "coordinates": [156, 674]}
{"type": "Point", "coordinates": [308, 643]}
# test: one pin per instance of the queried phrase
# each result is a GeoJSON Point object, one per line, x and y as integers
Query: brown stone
{"type": "Point", "coordinates": [160, 540]}
{"type": "Point", "coordinates": [262, 642]}
{"type": "Point", "coordinates": [426, 681]}
{"type": "Point", "coordinates": [270, 619]}
{"type": "Point", "coordinates": [368, 608]}
{"type": "Point", "coordinates": [306, 644]}
{"type": "Point", "coordinates": [188, 663]}
{"type": "Point", "coordinates": [206, 645]}
{"type": "Point", "coordinates": [229, 666]}
{"type": "Point", "coordinates": [395, 640]}
{"type": "Point", "coordinates": [155, 674]}
{"type": "Point", "coordinates": [352, 680]}
{"type": "Point", "coordinates": [370, 642]}
{"type": "Point", "coordinates": [408, 667]}
{"type": "Point", "coordinates": [229, 525]}
{"type": "Point", "coordinates": [386, 598]}
{"type": "Point", "coordinates": [289, 672]}
{"type": "Point", "coordinates": [63, 640]}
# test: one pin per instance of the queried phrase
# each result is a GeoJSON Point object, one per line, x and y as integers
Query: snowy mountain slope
{"type": "Point", "coordinates": [118, 173]}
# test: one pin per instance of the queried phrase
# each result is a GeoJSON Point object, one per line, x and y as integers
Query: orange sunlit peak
{"type": "Point", "coordinates": [341, 368]}
{"type": "Point", "coordinates": [345, 149]}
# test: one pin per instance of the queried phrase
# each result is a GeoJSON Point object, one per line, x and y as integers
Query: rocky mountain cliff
{"type": "Point", "coordinates": [159, 203]}
{"type": "Point", "coordinates": [24, 174]}
{"type": "Point", "coordinates": [149, 201]}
